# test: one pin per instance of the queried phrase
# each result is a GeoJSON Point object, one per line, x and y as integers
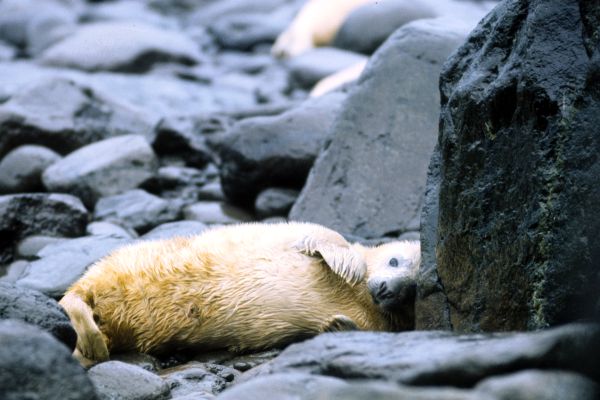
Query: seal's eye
{"type": "Point", "coordinates": [393, 262]}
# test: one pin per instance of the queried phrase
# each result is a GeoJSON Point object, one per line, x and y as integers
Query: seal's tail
{"type": "Point", "coordinates": [91, 346]}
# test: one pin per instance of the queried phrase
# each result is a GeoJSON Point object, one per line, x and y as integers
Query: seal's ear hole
{"type": "Point", "coordinates": [393, 262]}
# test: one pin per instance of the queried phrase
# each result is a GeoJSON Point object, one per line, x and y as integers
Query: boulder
{"type": "Point", "coordinates": [215, 212]}
{"type": "Point", "coordinates": [367, 27]}
{"type": "Point", "coordinates": [36, 366]}
{"type": "Point", "coordinates": [369, 180]}
{"type": "Point", "coordinates": [104, 168]}
{"type": "Point", "coordinates": [100, 47]}
{"type": "Point", "coordinates": [103, 228]}
{"type": "Point", "coordinates": [61, 264]}
{"type": "Point", "coordinates": [275, 151]}
{"type": "Point", "coordinates": [82, 116]}
{"type": "Point", "coordinates": [29, 247]}
{"type": "Point", "coordinates": [33, 307]}
{"type": "Point", "coordinates": [517, 233]}
{"type": "Point", "coordinates": [136, 209]}
{"type": "Point", "coordinates": [275, 202]}
{"type": "Point", "coordinates": [315, 64]}
{"type": "Point", "coordinates": [175, 229]}
{"type": "Point", "coordinates": [21, 169]}
{"type": "Point", "coordinates": [118, 380]}
{"type": "Point", "coordinates": [23, 215]}
{"type": "Point", "coordinates": [423, 358]}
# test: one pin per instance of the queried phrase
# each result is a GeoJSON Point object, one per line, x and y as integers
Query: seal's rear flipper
{"type": "Point", "coordinates": [340, 323]}
{"type": "Point", "coordinates": [91, 346]}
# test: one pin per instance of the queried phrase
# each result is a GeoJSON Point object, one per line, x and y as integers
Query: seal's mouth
{"type": "Point", "coordinates": [393, 294]}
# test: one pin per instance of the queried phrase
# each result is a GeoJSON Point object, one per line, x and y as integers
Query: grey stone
{"type": "Point", "coordinates": [192, 378]}
{"type": "Point", "coordinates": [212, 191]}
{"type": "Point", "coordinates": [100, 47]}
{"type": "Point", "coordinates": [182, 184]}
{"type": "Point", "coordinates": [14, 271]}
{"type": "Point", "coordinates": [215, 212]}
{"type": "Point", "coordinates": [104, 168]}
{"type": "Point", "coordinates": [375, 390]}
{"type": "Point", "coordinates": [313, 65]}
{"type": "Point", "coordinates": [284, 386]}
{"type": "Point", "coordinates": [21, 169]}
{"type": "Point", "coordinates": [127, 11]}
{"type": "Point", "coordinates": [33, 26]}
{"type": "Point", "coordinates": [175, 229]}
{"type": "Point", "coordinates": [29, 247]}
{"type": "Point", "coordinates": [440, 358]}
{"type": "Point", "coordinates": [116, 380]}
{"type": "Point", "coordinates": [83, 116]}
{"type": "Point", "coordinates": [367, 27]}
{"type": "Point", "coordinates": [34, 308]}
{"type": "Point", "coordinates": [36, 366]}
{"type": "Point", "coordinates": [244, 31]}
{"type": "Point", "coordinates": [136, 209]}
{"type": "Point", "coordinates": [369, 180]}
{"type": "Point", "coordinates": [24, 215]}
{"type": "Point", "coordinates": [262, 152]}
{"type": "Point", "coordinates": [144, 361]}
{"type": "Point", "coordinates": [519, 127]}
{"type": "Point", "coordinates": [60, 265]}
{"type": "Point", "coordinates": [7, 52]}
{"type": "Point", "coordinates": [275, 202]}
{"type": "Point", "coordinates": [539, 385]}
{"type": "Point", "coordinates": [103, 228]}
{"type": "Point", "coordinates": [212, 12]}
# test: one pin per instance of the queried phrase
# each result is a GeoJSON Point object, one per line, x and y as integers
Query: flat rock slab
{"type": "Point", "coordinates": [60, 265]}
{"type": "Point", "coordinates": [100, 47]}
{"type": "Point", "coordinates": [34, 308]}
{"type": "Point", "coordinates": [36, 366]}
{"type": "Point", "coordinates": [118, 380]}
{"type": "Point", "coordinates": [104, 168]}
{"type": "Point", "coordinates": [440, 358]}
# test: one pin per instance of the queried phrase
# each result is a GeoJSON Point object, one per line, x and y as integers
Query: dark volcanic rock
{"type": "Point", "coordinates": [367, 27]}
{"type": "Point", "coordinates": [61, 264]}
{"type": "Point", "coordinates": [370, 179]}
{"type": "Point", "coordinates": [22, 215]}
{"type": "Point", "coordinates": [518, 233]}
{"type": "Point", "coordinates": [278, 151]}
{"type": "Point", "coordinates": [82, 116]}
{"type": "Point", "coordinates": [137, 209]}
{"type": "Point", "coordinates": [440, 358]}
{"type": "Point", "coordinates": [104, 168]}
{"type": "Point", "coordinates": [313, 65]}
{"type": "Point", "coordinates": [36, 366]}
{"type": "Point", "coordinates": [34, 308]}
{"type": "Point", "coordinates": [118, 380]}
{"type": "Point", "coordinates": [21, 169]}
{"type": "Point", "coordinates": [100, 47]}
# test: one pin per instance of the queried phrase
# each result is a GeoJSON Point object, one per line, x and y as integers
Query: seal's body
{"type": "Point", "coordinates": [242, 287]}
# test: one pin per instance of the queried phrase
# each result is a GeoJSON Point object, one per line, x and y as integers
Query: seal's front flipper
{"type": "Point", "coordinates": [341, 257]}
{"type": "Point", "coordinates": [340, 323]}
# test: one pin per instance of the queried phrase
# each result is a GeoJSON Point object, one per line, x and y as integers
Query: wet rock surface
{"type": "Point", "coordinates": [149, 120]}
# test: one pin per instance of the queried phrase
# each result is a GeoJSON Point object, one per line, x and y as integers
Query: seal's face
{"type": "Point", "coordinates": [392, 274]}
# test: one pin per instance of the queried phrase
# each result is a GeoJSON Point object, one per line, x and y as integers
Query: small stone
{"type": "Point", "coordinates": [118, 380]}
{"type": "Point", "coordinates": [103, 228]}
{"type": "Point", "coordinates": [212, 191]}
{"type": "Point", "coordinates": [191, 378]}
{"type": "Point", "coordinates": [21, 169]}
{"type": "Point", "coordinates": [275, 202]}
{"type": "Point", "coordinates": [29, 247]}
{"type": "Point", "coordinates": [175, 229]}
{"type": "Point", "coordinates": [214, 212]}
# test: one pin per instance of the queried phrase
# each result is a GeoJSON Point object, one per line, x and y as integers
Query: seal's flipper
{"type": "Point", "coordinates": [339, 256]}
{"type": "Point", "coordinates": [340, 323]}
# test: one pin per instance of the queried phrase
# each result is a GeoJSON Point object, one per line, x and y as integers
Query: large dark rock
{"type": "Point", "coordinates": [367, 27]}
{"type": "Point", "coordinates": [370, 179]}
{"type": "Point", "coordinates": [101, 47]}
{"type": "Point", "coordinates": [517, 238]}
{"type": "Point", "coordinates": [22, 215]}
{"type": "Point", "coordinates": [262, 152]}
{"type": "Point", "coordinates": [440, 358]}
{"type": "Point", "coordinates": [104, 168]}
{"type": "Point", "coordinates": [34, 308]}
{"type": "Point", "coordinates": [36, 366]}
{"type": "Point", "coordinates": [82, 116]}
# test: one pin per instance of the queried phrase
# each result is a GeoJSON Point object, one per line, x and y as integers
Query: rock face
{"type": "Point", "coordinates": [370, 178]}
{"type": "Point", "coordinates": [104, 168]}
{"type": "Point", "coordinates": [83, 116]}
{"type": "Point", "coordinates": [36, 366]}
{"type": "Point", "coordinates": [34, 308]}
{"type": "Point", "coordinates": [517, 237]}
{"type": "Point", "coordinates": [145, 45]}
{"type": "Point", "coordinates": [22, 215]}
{"type": "Point", "coordinates": [262, 152]}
